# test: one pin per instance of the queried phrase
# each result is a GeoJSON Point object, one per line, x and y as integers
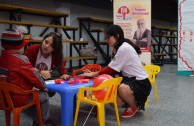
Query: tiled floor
{"type": "Point", "coordinates": [175, 106]}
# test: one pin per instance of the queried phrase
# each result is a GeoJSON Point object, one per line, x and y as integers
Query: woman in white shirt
{"type": "Point", "coordinates": [135, 86]}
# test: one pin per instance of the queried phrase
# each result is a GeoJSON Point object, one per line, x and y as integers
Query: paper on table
{"type": "Point", "coordinates": [50, 81]}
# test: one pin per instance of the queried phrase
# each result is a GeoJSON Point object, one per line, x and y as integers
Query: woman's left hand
{"type": "Point", "coordinates": [65, 76]}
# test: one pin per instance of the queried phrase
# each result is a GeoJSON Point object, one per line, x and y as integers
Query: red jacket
{"type": "Point", "coordinates": [32, 52]}
{"type": "Point", "coordinates": [20, 73]}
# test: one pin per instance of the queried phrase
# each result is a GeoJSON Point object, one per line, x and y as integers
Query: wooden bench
{"type": "Point", "coordinates": [160, 28]}
{"type": "Point", "coordinates": [173, 30]}
{"type": "Point", "coordinates": [97, 30]}
{"type": "Point", "coordinates": [167, 36]}
{"type": "Point", "coordinates": [164, 36]}
{"type": "Point", "coordinates": [7, 7]}
{"type": "Point", "coordinates": [163, 28]}
{"type": "Point", "coordinates": [166, 44]}
{"type": "Point", "coordinates": [172, 53]}
{"type": "Point", "coordinates": [103, 43]}
{"type": "Point", "coordinates": [38, 24]}
{"type": "Point", "coordinates": [78, 58]}
{"type": "Point", "coordinates": [159, 57]}
{"type": "Point", "coordinates": [64, 41]}
{"type": "Point", "coordinates": [95, 19]}
{"type": "Point", "coordinates": [158, 54]}
{"type": "Point", "coordinates": [154, 44]}
{"type": "Point", "coordinates": [86, 24]}
{"type": "Point", "coordinates": [15, 18]}
{"type": "Point", "coordinates": [154, 47]}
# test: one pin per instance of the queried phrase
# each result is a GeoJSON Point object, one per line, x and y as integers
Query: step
{"type": "Point", "coordinates": [172, 29]}
{"type": "Point", "coordinates": [103, 43]}
{"type": "Point", "coordinates": [96, 30]}
{"type": "Point", "coordinates": [170, 44]}
{"type": "Point", "coordinates": [154, 44]}
{"type": "Point", "coordinates": [163, 28]}
{"type": "Point", "coordinates": [77, 58]}
{"type": "Point", "coordinates": [158, 54]}
{"type": "Point", "coordinates": [160, 28]}
{"type": "Point", "coordinates": [167, 36]}
{"type": "Point", "coordinates": [64, 41]}
{"type": "Point", "coordinates": [38, 24]}
{"type": "Point", "coordinates": [95, 19]}
{"type": "Point", "coordinates": [172, 54]}
{"type": "Point", "coordinates": [31, 10]}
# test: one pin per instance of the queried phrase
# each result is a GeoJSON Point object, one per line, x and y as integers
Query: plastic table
{"type": "Point", "coordinates": [68, 94]}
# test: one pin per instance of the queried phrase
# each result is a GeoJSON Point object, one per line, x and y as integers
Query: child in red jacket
{"type": "Point", "coordinates": [21, 72]}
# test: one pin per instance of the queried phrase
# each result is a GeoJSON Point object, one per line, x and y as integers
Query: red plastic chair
{"type": "Point", "coordinates": [90, 67]}
{"type": "Point", "coordinates": [7, 105]}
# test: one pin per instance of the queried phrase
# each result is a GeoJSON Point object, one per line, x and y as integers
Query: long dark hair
{"type": "Point", "coordinates": [57, 46]}
{"type": "Point", "coordinates": [115, 30]}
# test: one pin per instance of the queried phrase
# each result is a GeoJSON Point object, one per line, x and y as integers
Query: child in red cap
{"type": "Point", "coordinates": [21, 73]}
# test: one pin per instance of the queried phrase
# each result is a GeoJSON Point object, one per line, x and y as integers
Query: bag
{"type": "Point", "coordinates": [88, 51]}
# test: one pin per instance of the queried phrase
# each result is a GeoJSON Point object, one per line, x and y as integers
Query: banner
{"type": "Point", "coordinates": [134, 17]}
{"type": "Point", "coordinates": [185, 37]}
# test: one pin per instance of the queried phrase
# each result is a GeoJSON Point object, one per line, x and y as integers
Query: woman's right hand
{"type": "Point", "coordinates": [90, 74]}
{"type": "Point", "coordinates": [45, 74]}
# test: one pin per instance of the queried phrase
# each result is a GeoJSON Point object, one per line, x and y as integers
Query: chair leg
{"type": "Point", "coordinates": [16, 117]}
{"type": "Point", "coordinates": [101, 114]}
{"type": "Point", "coordinates": [98, 115]}
{"type": "Point", "coordinates": [146, 103]}
{"type": "Point", "coordinates": [117, 113]}
{"type": "Point", "coordinates": [7, 117]}
{"type": "Point", "coordinates": [98, 118]}
{"type": "Point", "coordinates": [39, 114]}
{"type": "Point", "coordinates": [155, 92]}
{"type": "Point", "coordinates": [76, 113]}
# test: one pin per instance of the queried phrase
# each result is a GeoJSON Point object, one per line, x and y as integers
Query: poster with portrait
{"type": "Point", "coordinates": [185, 38]}
{"type": "Point", "coordinates": [134, 16]}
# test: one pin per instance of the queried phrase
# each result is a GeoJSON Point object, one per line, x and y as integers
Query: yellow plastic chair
{"type": "Point", "coordinates": [109, 98]}
{"type": "Point", "coordinates": [152, 71]}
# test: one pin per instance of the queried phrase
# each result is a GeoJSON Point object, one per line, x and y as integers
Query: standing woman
{"type": "Point", "coordinates": [135, 86]}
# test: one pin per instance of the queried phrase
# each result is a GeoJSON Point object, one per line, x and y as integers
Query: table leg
{"type": "Point", "coordinates": [67, 101]}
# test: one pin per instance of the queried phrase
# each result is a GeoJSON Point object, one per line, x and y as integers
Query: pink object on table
{"type": "Point", "coordinates": [84, 81]}
{"type": "Point", "coordinates": [69, 82]}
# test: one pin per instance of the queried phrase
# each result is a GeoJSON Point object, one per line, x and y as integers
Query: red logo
{"type": "Point", "coordinates": [123, 10]}
{"type": "Point", "coordinates": [42, 66]}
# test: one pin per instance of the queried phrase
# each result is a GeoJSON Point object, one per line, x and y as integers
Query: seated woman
{"type": "Point", "coordinates": [48, 56]}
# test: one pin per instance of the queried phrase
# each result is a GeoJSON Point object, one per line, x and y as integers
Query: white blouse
{"type": "Point", "coordinates": [127, 62]}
